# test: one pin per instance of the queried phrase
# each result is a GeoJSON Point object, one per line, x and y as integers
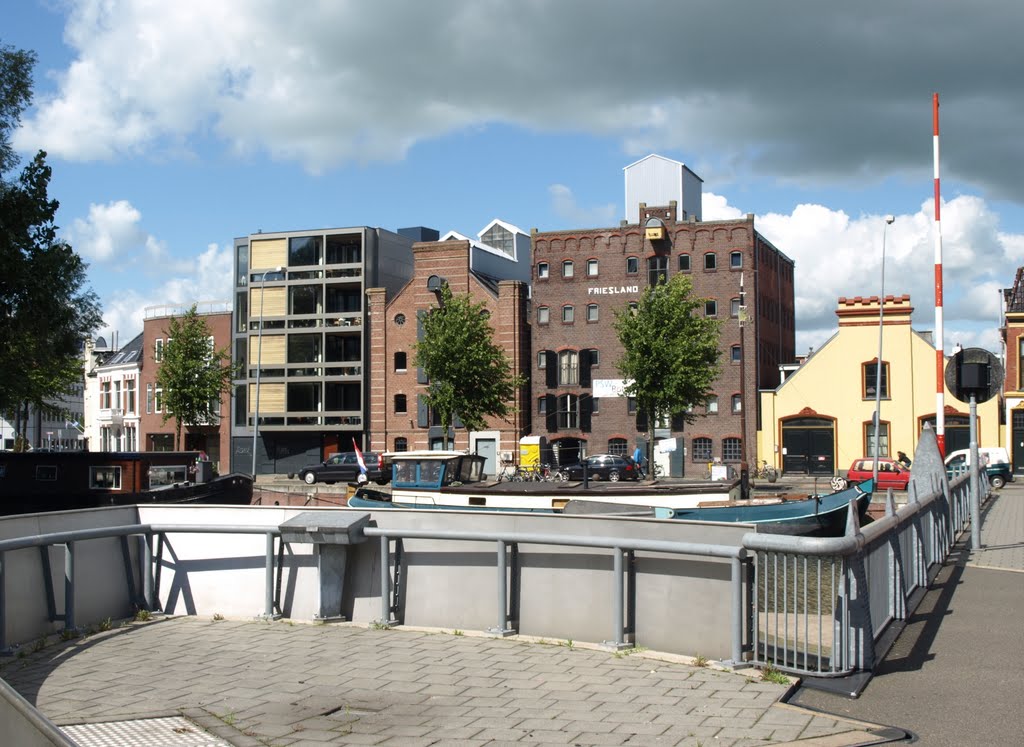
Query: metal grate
{"type": "Point", "coordinates": [173, 731]}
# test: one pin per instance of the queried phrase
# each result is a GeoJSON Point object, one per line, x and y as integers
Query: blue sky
{"type": "Point", "coordinates": [174, 127]}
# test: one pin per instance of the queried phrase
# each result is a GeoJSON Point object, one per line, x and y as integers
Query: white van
{"type": "Point", "coordinates": [994, 459]}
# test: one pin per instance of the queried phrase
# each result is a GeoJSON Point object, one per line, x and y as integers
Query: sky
{"type": "Point", "coordinates": [173, 127]}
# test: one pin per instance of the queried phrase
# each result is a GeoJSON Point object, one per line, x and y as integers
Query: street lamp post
{"type": "Point", "coordinates": [259, 365]}
{"type": "Point", "coordinates": [878, 365]}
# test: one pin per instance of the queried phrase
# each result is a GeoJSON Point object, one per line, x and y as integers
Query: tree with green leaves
{"type": "Point", "coordinates": [46, 309]}
{"type": "Point", "coordinates": [193, 374]}
{"type": "Point", "coordinates": [470, 376]}
{"type": "Point", "coordinates": [670, 352]}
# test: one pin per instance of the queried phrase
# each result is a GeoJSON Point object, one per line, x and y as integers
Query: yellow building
{"type": "Point", "coordinates": [820, 419]}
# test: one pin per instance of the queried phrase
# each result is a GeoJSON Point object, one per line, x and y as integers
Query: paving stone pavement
{"type": "Point", "coordinates": [306, 685]}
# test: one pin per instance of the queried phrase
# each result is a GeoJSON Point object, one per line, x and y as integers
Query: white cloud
{"type": "Point", "coordinates": [357, 82]}
{"type": "Point", "coordinates": [108, 233]}
{"type": "Point", "coordinates": [837, 255]}
{"type": "Point", "coordinates": [204, 277]}
{"type": "Point", "coordinates": [565, 206]}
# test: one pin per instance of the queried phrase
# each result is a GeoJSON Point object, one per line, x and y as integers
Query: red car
{"type": "Point", "coordinates": [891, 474]}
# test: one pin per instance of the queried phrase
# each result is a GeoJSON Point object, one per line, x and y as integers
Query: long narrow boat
{"type": "Point", "coordinates": [454, 480]}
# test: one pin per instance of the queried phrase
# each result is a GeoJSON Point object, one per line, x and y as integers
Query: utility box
{"type": "Point", "coordinates": [330, 533]}
{"type": "Point", "coordinates": [530, 449]}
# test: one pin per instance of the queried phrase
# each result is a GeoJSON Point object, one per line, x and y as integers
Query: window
{"type": "Point", "coordinates": [568, 411]}
{"type": "Point", "coordinates": [568, 314]}
{"type": "Point", "coordinates": [105, 478]}
{"type": "Point", "coordinates": [568, 367]}
{"type": "Point", "coordinates": [595, 358]}
{"type": "Point", "coordinates": [734, 308]}
{"type": "Point", "coordinates": [710, 261]}
{"type": "Point", "coordinates": [158, 350]}
{"type": "Point", "coordinates": [46, 472]}
{"type": "Point", "coordinates": [684, 263]}
{"type": "Point", "coordinates": [543, 315]}
{"type": "Point", "coordinates": [871, 380]}
{"type": "Point", "coordinates": [732, 449]}
{"type": "Point", "coordinates": [542, 359]}
{"type": "Point", "coordinates": [712, 405]}
{"type": "Point", "coordinates": [543, 271]}
{"type": "Point", "coordinates": [542, 405]}
{"type": "Point", "coordinates": [401, 444]}
{"type": "Point", "coordinates": [632, 265]}
{"type": "Point", "coordinates": [631, 405]}
{"type": "Point", "coordinates": [711, 308]}
{"type": "Point", "coordinates": [1020, 363]}
{"type": "Point", "coordinates": [400, 404]}
{"type": "Point", "coordinates": [701, 449]}
{"type": "Point", "coordinates": [129, 396]}
{"type": "Point", "coordinates": [592, 268]}
{"type": "Point", "coordinates": [567, 269]}
{"type": "Point", "coordinates": [734, 354]}
{"type": "Point", "coordinates": [617, 446]}
{"type": "Point", "coordinates": [737, 403]}
{"type": "Point", "coordinates": [736, 260]}
{"type": "Point", "coordinates": [304, 250]}
{"type": "Point", "coordinates": [592, 312]}
{"type": "Point", "coordinates": [657, 270]}
{"type": "Point", "coordinates": [105, 395]}
{"type": "Point", "coordinates": [149, 399]}
{"type": "Point", "coordinates": [400, 361]}
{"type": "Point", "coordinates": [158, 399]}
{"type": "Point", "coordinates": [883, 439]}
{"type": "Point", "coordinates": [399, 319]}
{"type": "Point", "coordinates": [117, 395]}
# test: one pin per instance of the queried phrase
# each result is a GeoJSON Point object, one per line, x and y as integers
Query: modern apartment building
{"type": "Point", "coordinates": [581, 276]}
{"type": "Point", "coordinates": [489, 270]}
{"type": "Point", "coordinates": [302, 343]}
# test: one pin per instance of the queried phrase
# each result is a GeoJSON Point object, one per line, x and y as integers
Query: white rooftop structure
{"type": "Point", "coordinates": [656, 180]}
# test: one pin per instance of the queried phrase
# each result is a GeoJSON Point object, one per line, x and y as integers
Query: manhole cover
{"type": "Point", "coordinates": [173, 731]}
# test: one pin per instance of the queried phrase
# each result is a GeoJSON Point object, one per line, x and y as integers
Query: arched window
{"type": "Point", "coordinates": [592, 268]}
{"type": "Point", "coordinates": [710, 261]}
{"type": "Point", "coordinates": [543, 271]}
{"type": "Point", "coordinates": [568, 367]}
{"type": "Point", "coordinates": [684, 263]}
{"type": "Point", "coordinates": [592, 312]}
{"type": "Point", "coordinates": [701, 449]}
{"type": "Point", "coordinates": [711, 307]}
{"type": "Point", "coordinates": [657, 270]}
{"type": "Point", "coordinates": [732, 449]}
{"type": "Point", "coordinates": [617, 446]}
{"type": "Point", "coordinates": [632, 265]}
{"type": "Point", "coordinates": [737, 403]}
{"type": "Point", "coordinates": [568, 314]}
{"type": "Point", "coordinates": [543, 315]}
{"type": "Point", "coordinates": [567, 269]}
{"type": "Point", "coordinates": [736, 260]}
{"type": "Point", "coordinates": [401, 443]}
{"type": "Point", "coordinates": [735, 354]}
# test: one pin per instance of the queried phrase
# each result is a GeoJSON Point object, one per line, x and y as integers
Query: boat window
{"type": "Point", "coordinates": [430, 472]}
{"type": "Point", "coordinates": [405, 472]}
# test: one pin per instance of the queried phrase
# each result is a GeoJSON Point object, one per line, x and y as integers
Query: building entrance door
{"type": "Point", "coordinates": [809, 446]}
{"type": "Point", "coordinates": [1017, 434]}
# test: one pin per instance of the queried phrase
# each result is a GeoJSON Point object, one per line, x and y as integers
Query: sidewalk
{"type": "Point", "coordinates": [953, 676]}
{"type": "Point", "coordinates": [304, 685]}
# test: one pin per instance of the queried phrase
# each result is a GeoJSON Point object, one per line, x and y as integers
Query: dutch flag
{"type": "Point", "coordinates": [362, 464]}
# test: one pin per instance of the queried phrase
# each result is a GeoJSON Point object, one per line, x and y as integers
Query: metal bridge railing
{"type": "Point", "coordinates": [821, 605]}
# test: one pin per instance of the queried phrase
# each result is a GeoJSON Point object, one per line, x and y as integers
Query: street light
{"type": "Point", "coordinates": [259, 365]}
{"type": "Point", "coordinates": [878, 365]}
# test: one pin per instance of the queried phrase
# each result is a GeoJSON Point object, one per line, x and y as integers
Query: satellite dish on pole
{"type": "Point", "coordinates": [974, 371]}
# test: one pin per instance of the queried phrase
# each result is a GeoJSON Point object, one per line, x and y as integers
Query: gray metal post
{"type": "Point", "coordinates": [619, 603]}
{"type": "Point", "coordinates": [69, 586]}
{"type": "Point", "coordinates": [3, 601]}
{"type": "Point", "coordinates": [268, 609]}
{"type": "Point", "coordinates": [502, 627]}
{"type": "Point", "coordinates": [385, 580]}
{"type": "Point", "coordinates": [975, 482]}
{"type": "Point", "coordinates": [147, 570]}
{"type": "Point", "coordinates": [737, 610]}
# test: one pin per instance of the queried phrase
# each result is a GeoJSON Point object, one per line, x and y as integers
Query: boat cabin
{"type": "Point", "coordinates": [435, 469]}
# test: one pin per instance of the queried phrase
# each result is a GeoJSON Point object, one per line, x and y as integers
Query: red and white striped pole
{"type": "Point", "coordinates": [940, 361]}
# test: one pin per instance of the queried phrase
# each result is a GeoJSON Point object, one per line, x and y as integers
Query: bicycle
{"type": "Point", "coordinates": [765, 470]}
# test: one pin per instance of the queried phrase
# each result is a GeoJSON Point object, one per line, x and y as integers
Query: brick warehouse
{"type": "Point", "coordinates": [400, 420]}
{"type": "Point", "coordinates": [581, 276]}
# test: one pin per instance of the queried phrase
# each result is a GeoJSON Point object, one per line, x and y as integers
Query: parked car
{"type": "Point", "coordinates": [344, 467]}
{"type": "Point", "coordinates": [604, 467]}
{"type": "Point", "coordinates": [891, 474]}
{"type": "Point", "coordinates": [995, 461]}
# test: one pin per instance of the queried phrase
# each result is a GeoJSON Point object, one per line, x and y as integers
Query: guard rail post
{"type": "Point", "coordinates": [385, 580]}
{"type": "Point", "coordinates": [69, 585]}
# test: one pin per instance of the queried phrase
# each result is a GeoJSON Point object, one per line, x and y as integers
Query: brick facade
{"type": "Point", "coordinates": [623, 256]}
{"type": "Point", "coordinates": [393, 336]}
{"type": "Point", "coordinates": [155, 434]}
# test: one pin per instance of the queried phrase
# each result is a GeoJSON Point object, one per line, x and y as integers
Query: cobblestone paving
{"type": "Point", "coordinates": [299, 685]}
{"type": "Point", "coordinates": [1002, 527]}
